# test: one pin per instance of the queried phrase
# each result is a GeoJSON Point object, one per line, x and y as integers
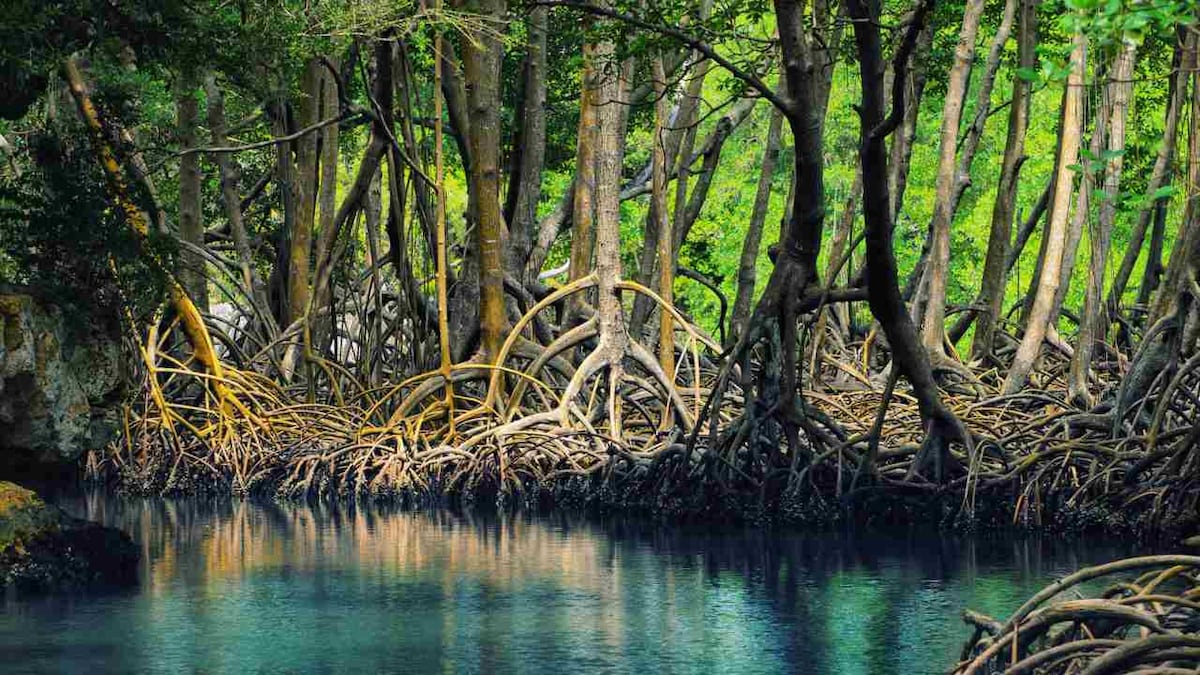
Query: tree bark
{"type": "Point", "coordinates": [658, 207]}
{"type": "Point", "coordinates": [1184, 63]}
{"type": "Point", "coordinates": [1166, 301]}
{"type": "Point", "coordinates": [902, 139]}
{"type": "Point", "coordinates": [583, 212]}
{"type": "Point", "coordinates": [1152, 274]}
{"type": "Point", "coordinates": [995, 273]}
{"type": "Point", "coordinates": [748, 263]}
{"type": "Point", "coordinates": [1056, 231]}
{"type": "Point", "coordinates": [482, 56]}
{"type": "Point", "coordinates": [300, 248]}
{"type": "Point", "coordinates": [1092, 325]}
{"type": "Point", "coordinates": [525, 178]}
{"type": "Point", "coordinates": [327, 144]}
{"type": "Point", "coordinates": [191, 271]}
{"type": "Point", "coordinates": [908, 354]}
{"type": "Point", "coordinates": [1083, 205]}
{"type": "Point", "coordinates": [936, 270]}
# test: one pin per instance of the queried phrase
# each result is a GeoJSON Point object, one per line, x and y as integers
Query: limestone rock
{"type": "Point", "coordinates": [60, 384]}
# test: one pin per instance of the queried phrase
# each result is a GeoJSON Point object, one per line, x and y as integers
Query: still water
{"type": "Point", "coordinates": [247, 587]}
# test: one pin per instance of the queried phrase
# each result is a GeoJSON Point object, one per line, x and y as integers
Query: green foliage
{"type": "Point", "coordinates": [60, 235]}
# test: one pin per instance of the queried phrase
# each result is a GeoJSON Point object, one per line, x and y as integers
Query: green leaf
{"type": "Point", "coordinates": [1164, 192]}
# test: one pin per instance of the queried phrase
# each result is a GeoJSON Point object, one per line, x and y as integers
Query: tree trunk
{"type": "Point", "coordinates": [658, 207]}
{"type": "Point", "coordinates": [608, 153]}
{"type": "Point", "coordinates": [230, 176]}
{"type": "Point", "coordinates": [678, 146]}
{"type": "Point", "coordinates": [1092, 325]}
{"type": "Point", "coordinates": [285, 172]}
{"type": "Point", "coordinates": [1056, 231]}
{"type": "Point", "coordinates": [1152, 274]}
{"type": "Point", "coordinates": [1167, 300]}
{"type": "Point", "coordinates": [525, 179]}
{"type": "Point", "coordinates": [482, 56]}
{"type": "Point", "coordinates": [995, 274]}
{"type": "Point", "coordinates": [937, 269]}
{"type": "Point", "coordinates": [748, 263]}
{"type": "Point", "coordinates": [908, 354]}
{"type": "Point", "coordinates": [1184, 63]}
{"type": "Point", "coordinates": [902, 139]}
{"type": "Point", "coordinates": [306, 194]}
{"type": "Point", "coordinates": [327, 144]}
{"type": "Point", "coordinates": [191, 223]}
{"type": "Point", "coordinates": [1083, 205]}
{"type": "Point", "coordinates": [583, 207]}
{"type": "Point", "coordinates": [189, 317]}
{"type": "Point", "coordinates": [711, 153]}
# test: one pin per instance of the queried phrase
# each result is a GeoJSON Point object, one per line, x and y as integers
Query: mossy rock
{"type": "Point", "coordinates": [24, 516]}
{"type": "Point", "coordinates": [43, 549]}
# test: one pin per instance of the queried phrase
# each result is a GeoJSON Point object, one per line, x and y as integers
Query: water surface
{"type": "Point", "coordinates": [231, 586]}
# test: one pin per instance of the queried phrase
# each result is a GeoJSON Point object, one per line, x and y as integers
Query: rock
{"type": "Point", "coordinates": [44, 550]}
{"type": "Point", "coordinates": [60, 384]}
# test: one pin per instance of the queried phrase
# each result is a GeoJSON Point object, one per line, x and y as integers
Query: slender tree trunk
{"type": "Point", "coordinates": [1152, 274]}
{"type": "Point", "coordinates": [837, 250]}
{"type": "Point", "coordinates": [421, 189]}
{"type": "Point", "coordinates": [678, 146]}
{"type": "Point", "coordinates": [1093, 323]}
{"type": "Point", "coordinates": [658, 207]}
{"type": "Point", "coordinates": [711, 152]}
{"type": "Point", "coordinates": [285, 187]}
{"type": "Point", "coordinates": [608, 153]}
{"type": "Point", "coordinates": [1166, 301]}
{"type": "Point", "coordinates": [959, 329]}
{"type": "Point", "coordinates": [1184, 63]}
{"type": "Point", "coordinates": [327, 189]}
{"type": "Point", "coordinates": [909, 356]}
{"type": "Point", "coordinates": [230, 176]}
{"type": "Point", "coordinates": [995, 274]}
{"type": "Point", "coordinates": [189, 317]}
{"type": "Point", "coordinates": [1083, 206]}
{"type": "Point", "coordinates": [482, 56]}
{"type": "Point", "coordinates": [1056, 231]}
{"type": "Point", "coordinates": [306, 194]}
{"type": "Point", "coordinates": [191, 222]}
{"type": "Point", "coordinates": [583, 208]}
{"type": "Point", "coordinates": [937, 269]}
{"type": "Point", "coordinates": [902, 139]}
{"type": "Point", "coordinates": [748, 263]}
{"type": "Point", "coordinates": [983, 104]}
{"type": "Point", "coordinates": [525, 179]}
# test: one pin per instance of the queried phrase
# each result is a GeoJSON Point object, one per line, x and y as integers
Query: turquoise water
{"type": "Point", "coordinates": [244, 587]}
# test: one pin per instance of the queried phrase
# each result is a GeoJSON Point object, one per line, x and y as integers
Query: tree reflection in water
{"type": "Point", "coordinates": [242, 586]}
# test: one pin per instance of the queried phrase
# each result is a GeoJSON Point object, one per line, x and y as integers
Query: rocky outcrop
{"type": "Point", "coordinates": [44, 550]}
{"type": "Point", "coordinates": [60, 384]}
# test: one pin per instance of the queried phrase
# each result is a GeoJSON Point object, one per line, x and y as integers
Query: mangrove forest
{"type": "Point", "coordinates": [785, 265]}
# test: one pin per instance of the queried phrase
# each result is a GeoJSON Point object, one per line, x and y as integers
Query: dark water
{"type": "Point", "coordinates": [243, 587]}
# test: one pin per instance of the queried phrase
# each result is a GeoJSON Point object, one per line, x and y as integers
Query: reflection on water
{"type": "Point", "coordinates": [248, 587]}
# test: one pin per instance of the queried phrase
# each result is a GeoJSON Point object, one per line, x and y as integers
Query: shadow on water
{"type": "Point", "coordinates": [235, 586]}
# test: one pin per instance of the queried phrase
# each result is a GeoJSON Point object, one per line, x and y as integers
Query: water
{"type": "Point", "coordinates": [244, 587]}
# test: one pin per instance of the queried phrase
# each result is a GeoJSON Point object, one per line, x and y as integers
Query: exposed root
{"type": "Point", "coordinates": [574, 413]}
{"type": "Point", "coordinates": [1149, 623]}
